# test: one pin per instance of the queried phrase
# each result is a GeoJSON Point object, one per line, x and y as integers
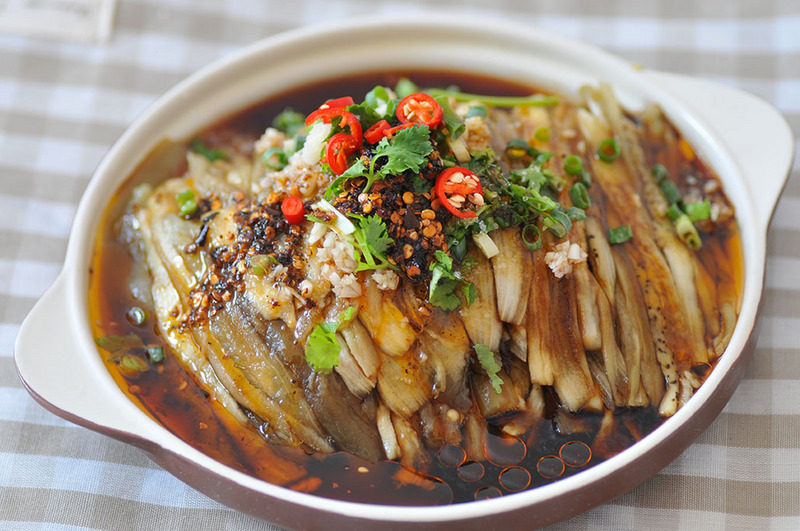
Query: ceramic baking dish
{"type": "Point", "coordinates": [745, 140]}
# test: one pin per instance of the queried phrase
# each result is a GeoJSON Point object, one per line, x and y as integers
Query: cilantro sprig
{"type": "Point", "coordinates": [445, 283]}
{"type": "Point", "coordinates": [490, 366]}
{"type": "Point", "coordinates": [406, 150]}
{"type": "Point", "coordinates": [322, 347]}
{"type": "Point", "coordinates": [372, 242]}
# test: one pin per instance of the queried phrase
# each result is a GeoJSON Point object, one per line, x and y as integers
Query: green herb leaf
{"type": "Point", "coordinates": [372, 242]}
{"type": "Point", "coordinates": [322, 348]}
{"type": "Point", "coordinates": [289, 121]}
{"type": "Point", "coordinates": [490, 366]}
{"type": "Point", "coordinates": [444, 283]}
{"type": "Point", "coordinates": [407, 150]}
{"type": "Point", "coordinates": [211, 154]}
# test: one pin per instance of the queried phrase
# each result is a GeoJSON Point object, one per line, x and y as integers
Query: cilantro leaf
{"type": "Point", "coordinates": [372, 242]}
{"type": "Point", "coordinates": [407, 150]}
{"type": "Point", "coordinates": [490, 366]}
{"type": "Point", "coordinates": [444, 283]}
{"type": "Point", "coordinates": [322, 348]}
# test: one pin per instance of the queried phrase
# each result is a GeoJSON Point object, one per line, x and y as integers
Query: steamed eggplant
{"type": "Point", "coordinates": [388, 292]}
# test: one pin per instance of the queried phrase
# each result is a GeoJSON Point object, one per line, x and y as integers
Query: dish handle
{"type": "Point", "coordinates": [755, 133]}
{"type": "Point", "coordinates": [49, 362]}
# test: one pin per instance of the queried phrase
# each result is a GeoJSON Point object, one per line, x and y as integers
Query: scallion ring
{"type": "Point", "coordinates": [608, 150]}
{"type": "Point", "coordinates": [580, 196]}
{"type": "Point", "coordinates": [573, 165]}
{"type": "Point", "coordinates": [542, 133]}
{"type": "Point", "coordinates": [517, 148]}
{"type": "Point", "coordinates": [621, 234]}
{"type": "Point", "coordinates": [531, 237]}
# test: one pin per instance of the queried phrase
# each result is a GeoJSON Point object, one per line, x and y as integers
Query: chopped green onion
{"type": "Point", "coordinates": [674, 212]}
{"type": "Point", "coordinates": [698, 211]}
{"type": "Point", "coordinates": [496, 101]}
{"type": "Point", "coordinates": [187, 203]}
{"type": "Point", "coordinates": [659, 173]}
{"type": "Point", "coordinates": [608, 150]}
{"type": "Point", "coordinates": [576, 214]}
{"type": "Point", "coordinates": [688, 233]}
{"type": "Point", "coordinates": [517, 148]}
{"type": "Point", "coordinates": [132, 366]}
{"type": "Point", "coordinates": [580, 196]}
{"type": "Point", "coordinates": [586, 178]}
{"type": "Point", "coordinates": [136, 316]}
{"type": "Point", "coordinates": [197, 146]}
{"type": "Point", "coordinates": [476, 110]}
{"type": "Point", "coordinates": [156, 354]}
{"type": "Point", "coordinates": [670, 191]}
{"type": "Point", "coordinates": [275, 158]}
{"type": "Point", "coordinates": [619, 234]}
{"type": "Point", "coordinates": [260, 263]}
{"type": "Point", "coordinates": [573, 165]}
{"type": "Point", "coordinates": [542, 133]}
{"type": "Point", "coordinates": [531, 237]}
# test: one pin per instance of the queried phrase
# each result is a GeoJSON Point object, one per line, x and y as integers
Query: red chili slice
{"type": "Point", "coordinates": [347, 120]}
{"type": "Point", "coordinates": [340, 146]}
{"type": "Point", "coordinates": [376, 131]}
{"type": "Point", "coordinates": [419, 108]}
{"type": "Point", "coordinates": [344, 101]}
{"type": "Point", "coordinates": [456, 188]}
{"type": "Point", "coordinates": [389, 133]}
{"type": "Point", "coordinates": [293, 210]}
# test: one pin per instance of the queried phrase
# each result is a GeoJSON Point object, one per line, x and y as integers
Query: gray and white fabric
{"type": "Point", "coordinates": [64, 102]}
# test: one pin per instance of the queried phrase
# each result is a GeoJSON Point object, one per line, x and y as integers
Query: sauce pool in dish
{"type": "Point", "coordinates": [615, 369]}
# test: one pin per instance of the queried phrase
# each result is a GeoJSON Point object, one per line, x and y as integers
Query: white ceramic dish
{"type": "Point", "coordinates": [745, 140]}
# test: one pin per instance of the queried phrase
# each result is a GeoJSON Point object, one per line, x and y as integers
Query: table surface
{"type": "Point", "coordinates": [63, 104]}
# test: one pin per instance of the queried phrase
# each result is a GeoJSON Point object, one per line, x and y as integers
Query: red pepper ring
{"type": "Point", "coordinates": [456, 188]}
{"type": "Point", "coordinates": [376, 131]}
{"type": "Point", "coordinates": [293, 209]}
{"type": "Point", "coordinates": [340, 146]}
{"type": "Point", "coordinates": [389, 133]}
{"type": "Point", "coordinates": [344, 101]}
{"type": "Point", "coordinates": [420, 108]}
{"type": "Point", "coordinates": [347, 120]}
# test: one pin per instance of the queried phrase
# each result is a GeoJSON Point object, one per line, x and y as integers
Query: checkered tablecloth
{"type": "Point", "coordinates": [63, 103]}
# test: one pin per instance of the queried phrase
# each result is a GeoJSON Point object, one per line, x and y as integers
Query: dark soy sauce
{"type": "Point", "coordinates": [170, 396]}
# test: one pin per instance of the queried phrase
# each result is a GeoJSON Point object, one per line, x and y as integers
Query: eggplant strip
{"type": "Point", "coordinates": [541, 354]}
{"type": "Point", "coordinates": [678, 256]}
{"type": "Point", "coordinates": [480, 318]}
{"type": "Point", "coordinates": [512, 268]}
